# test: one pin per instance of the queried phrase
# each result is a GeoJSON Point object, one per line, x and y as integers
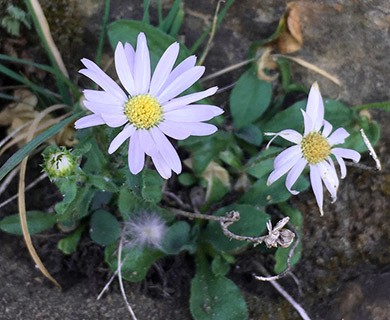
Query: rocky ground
{"type": "Point", "coordinates": [344, 271]}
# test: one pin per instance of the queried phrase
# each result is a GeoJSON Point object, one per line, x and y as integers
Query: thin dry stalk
{"type": "Point", "coordinates": [212, 34]}
{"type": "Point", "coordinates": [121, 280]}
{"type": "Point", "coordinates": [47, 34]}
{"type": "Point", "coordinates": [14, 133]}
{"type": "Point", "coordinates": [228, 69]}
{"type": "Point", "coordinates": [285, 294]}
{"type": "Point", "coordinates": [40, 127]}
{"type": "Point", "coordinates": [8, 180]}
{"type": "Point", "coordinates": [311, 67]}
{"type": "Point", "coordinates": [371, 149]}
{"type": "Point", "coordinates": [31, 185]}
{"type": "Point", "coordinates": [22, 202]}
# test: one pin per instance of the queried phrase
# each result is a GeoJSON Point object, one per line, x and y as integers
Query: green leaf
{"type": "Point", "coordinates": [68, 189]}
{"type": "Point", "coordinates": [171, 16]}
{"type": "Point", "coordinates": [37, 221]}
{"type": "Point", "coordinates": [128, 202]}
{"type": "Point", "coordinates": [219, 266]}
{"type": "Point", "coordinates": [205, 149]}
{"type": "Point", "coordinates": [249, 99]}
{"type": "Point", "coordinates": [262, 163]}
{"type": "Point", "coordinates": [136, 261]}
{"type": "Point", "coordinates": [96, 160]}
{"type": "Point", "coordinates": [252, 223]}
{"type": "Point", "coordinates": [281, 254]}
{"type": "Point", "coordinates": [215, 297]}
{"type": "Point", "coordinates": [18, 156]}
{"type": "Point", "coordinates": [251, 134]}
{"type": "Point", "coordinates": [262, 195]}
{"type": "Point", "coordinates": [187, 179]}
{"type": "Point", "coordinates": [151, 186]}
{"type": "Point", "coordinates": [158, 41]}
{"type": "Point", "coordinates": [75, 207]}
{"type": "Point", "coordinates": [105, 228]}
{"type": "Point", "coordinates": [102, 183]}
{"type": "Point", "coordinates": [177, 22]}
{"type": "Point", "coordinates": [355, 140]}
{"type": "Point", "coordinates": [216, 190]}
{"type": "Point", "coordinates": [69, 244]}
{"type": "Point", "coordinates": [178, 238]}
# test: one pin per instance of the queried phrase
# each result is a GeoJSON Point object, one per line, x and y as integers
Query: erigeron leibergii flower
{"type": "Point", "coordinates": [149, 109]}
{"type": "Point", "coordinates": [314, 149]}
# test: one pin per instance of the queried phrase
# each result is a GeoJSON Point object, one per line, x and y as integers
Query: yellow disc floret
{"type": "Point", "coordinates": [315, 148]}
{"type": "Point", "coordinates": [143, 111]}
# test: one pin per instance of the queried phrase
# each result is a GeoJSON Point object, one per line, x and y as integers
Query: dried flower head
{"type": "Point", "coordinates": [314, 148]}
{"type": "Point", "coordinates": [279, 236]}
{"type": "Point", "coordinates": [146, 229]}
{"type": "Point", "coordinates": [149, 108]}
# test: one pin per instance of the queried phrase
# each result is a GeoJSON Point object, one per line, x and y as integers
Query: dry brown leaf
{"type": "Point", "coordinates": [266, 62]}
{"type": "Point", "coordinates": [22, 112]}
{"type": "Point", "coordinates": [291, 39]}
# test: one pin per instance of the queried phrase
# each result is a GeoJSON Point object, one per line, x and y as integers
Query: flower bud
{"type": "Point", "coordinates": [58, 162]}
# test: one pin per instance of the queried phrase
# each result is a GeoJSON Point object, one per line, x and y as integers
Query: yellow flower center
{"type": "Point", "coordinates": [143, 111]}
{"type": "Point", "coordinates": [315, 147]}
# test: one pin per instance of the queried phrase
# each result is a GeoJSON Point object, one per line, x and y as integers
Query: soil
{"type": "Point", "coordinates": [344, 272]}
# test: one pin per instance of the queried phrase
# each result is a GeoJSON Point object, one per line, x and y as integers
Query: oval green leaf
{"type": "Point", "coordinates": [105, 228]}
{"type": "Point", "coordinates": [37, 221]}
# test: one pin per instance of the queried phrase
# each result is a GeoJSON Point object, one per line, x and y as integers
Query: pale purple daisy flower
{"type": "Point", "coordinates": [148, 108]}
{"type": "Point", "coordinates": [314, 148]}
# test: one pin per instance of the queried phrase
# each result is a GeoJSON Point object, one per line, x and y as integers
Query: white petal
{"type": "Point", "coordinates": [315, 107]}
{"type": "Point", "coordinates": [102, 79]}
{"type": "Point", "coordinates": [163, 68]}
{"type": "Point", "coordinates": [114, 120]}
{"type": "Point", "coordinates": [308, 123]}
{"type": "Point", "coordinates": [316, 184]}
{"type": "Point", "coordinates": [188, 99]}
{"type": "Point", "coordinates": [182, 67]}
{"type": "Point", "coordinates": [343, 168]}
{"type": "Point", "coordinates": [280, 171]}
{"type": "Point", "coordinates": [202, 129]}
{"type": "Point", "coordinates": [294, 174]}
{"type": "Point", "coordinates": [327, 129]}
{"type": "Point", "coordinates": [338, 136]}
{"type": "Point", "coordinates": [130, 54]}
{"type": "Point", "coordinates": [147, 142]}
{"type": "Point", "coordinates": [347, 153]}
{"type": "Point", "coordinates": [141, 66]}
{"type": "Point", "coordinates": [162, 168]}
{"type": "Point", "coordinates": [136, 156]}
{"type": "Point", "coordinates": [166, 149]}
{"type": "Point", "coordinates": [288, 134]}
{"type": "Point", "coordinates": [176, 130]}
{"type": "Point", "coordinates": [89, 121]}
{"type": "Point", "coordinates": [102, 97]}
{"type": "Point", "coordinates": [99, 108]}
{"type": "Point", "coordinates": [193, 113]}
{"type": "Point", "coordinates": [180, 84]}
{"type": "Point", "coordinates": [123, 69]}
{"type": "Point", "coordinates": [120, 138]}
{"type": "Point", "coordinates": [329, 177]}
{"type": "Point", "coordinates": [286, 156]}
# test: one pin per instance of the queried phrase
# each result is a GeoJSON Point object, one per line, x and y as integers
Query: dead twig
{"type": "Point", "coordinates": [283, 292]}
{"type": "Point", "coordinates": [122, 288]}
